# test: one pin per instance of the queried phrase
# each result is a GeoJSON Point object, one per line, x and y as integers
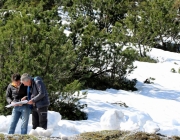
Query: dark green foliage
{"type": "Point", "coordinates": [136, 28]}
{"type": "Point", "coordinates": [104, 82]}
{"type": "Point", "coordinates": [32, 40]}
{"type": "Point", "coordinates": [173, 70]}
{"type": "Point", "coordinates": [163, 17]}
{"type": "Point", "coordinates": [149, 80]}
{"type": "Point", "coordinates": [71, 111]}
{"type": "Point", "coordinates": [128, 84]}
{"type": "Point", "coordinates": [99, 52]}
{"type": "Point", "coordinates": [67, 102]}
{"type": "Point", "coordinates": [99, 47]}
{"type": "Point", "coordinates": [146, 59]}
{"type": "Point", "coordinates": [4, 111]}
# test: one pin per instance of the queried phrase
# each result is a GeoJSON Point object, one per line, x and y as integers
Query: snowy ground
{"type": "Point", "coordinates": [153, 108]}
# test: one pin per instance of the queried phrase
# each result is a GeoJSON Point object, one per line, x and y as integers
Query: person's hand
{"type": "Point", "coordinates": [30, 102]}
{"type": "Point", "coordinates": [24, 98]}
{"type": "Point", "coordinates": [13, 103]}
{"type": "Point", "coordinates": [16, 104]}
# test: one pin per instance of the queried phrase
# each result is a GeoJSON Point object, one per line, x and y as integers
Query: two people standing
{"type": "Point", "coordinates": [38, 101]}
{"type": "Point", "coordinates": [14, 93]}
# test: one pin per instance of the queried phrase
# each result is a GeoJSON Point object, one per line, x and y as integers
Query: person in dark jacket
{"type": "Point", "coordinates": [39, 99]}
{"type": "Point", "coordinates": [14, 93]}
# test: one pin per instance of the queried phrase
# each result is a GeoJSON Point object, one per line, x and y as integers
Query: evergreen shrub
{"type": "Point", "coordinates": [67, 102]}
{"type": "Point", "coordinates": [104, 82]}
{"type": "Point", "coordinates": [146, 59]}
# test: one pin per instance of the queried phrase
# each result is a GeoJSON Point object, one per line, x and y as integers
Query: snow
{"type": "Point", "coordinates": [152, 108]}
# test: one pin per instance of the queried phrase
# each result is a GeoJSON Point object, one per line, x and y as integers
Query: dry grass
{"type": "Point", "coordinates": [99, 135]}
{"type": "Point", "coordinates": [17, 137]}
{"type": "Point", "coordinates": [123, 135]}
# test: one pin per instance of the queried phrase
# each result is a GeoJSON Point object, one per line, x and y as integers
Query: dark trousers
{"type": "Point", "coordinates": [39, 117]}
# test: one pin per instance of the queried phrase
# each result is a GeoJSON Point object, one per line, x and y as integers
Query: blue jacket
{"type": "Point", "coordinates": [39, 94]}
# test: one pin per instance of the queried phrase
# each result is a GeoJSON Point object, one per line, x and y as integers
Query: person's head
{"type": "Point", "coordinates": [16, 79]}
{"type": "Point", "coordinates": [26, 79]}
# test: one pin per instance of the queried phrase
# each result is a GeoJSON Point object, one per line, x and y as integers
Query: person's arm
{"type": "Point", "coordinates": [40, 89]}
{"type": "Point", "coordinates": [9, 98]}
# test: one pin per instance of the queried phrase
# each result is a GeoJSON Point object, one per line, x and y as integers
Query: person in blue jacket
{"type": "Point", "coordinates": [38, 98]}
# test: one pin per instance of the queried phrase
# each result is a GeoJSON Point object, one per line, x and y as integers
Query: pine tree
{"type": "Point", "coordinates": [99, 55]}
{"type": "Point", "coordinates": [137, 28]}
{"type": "Point", "coordinates": [162, 17]}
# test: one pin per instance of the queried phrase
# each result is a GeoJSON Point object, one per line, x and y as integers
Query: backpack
{"type": "Point", "coordinates": [37, 78]}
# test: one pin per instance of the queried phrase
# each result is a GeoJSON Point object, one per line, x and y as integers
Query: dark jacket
{"type": "Point", "coordinates": [14, 93]}
{"type": "Point", "coordinates": [39, 94]}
